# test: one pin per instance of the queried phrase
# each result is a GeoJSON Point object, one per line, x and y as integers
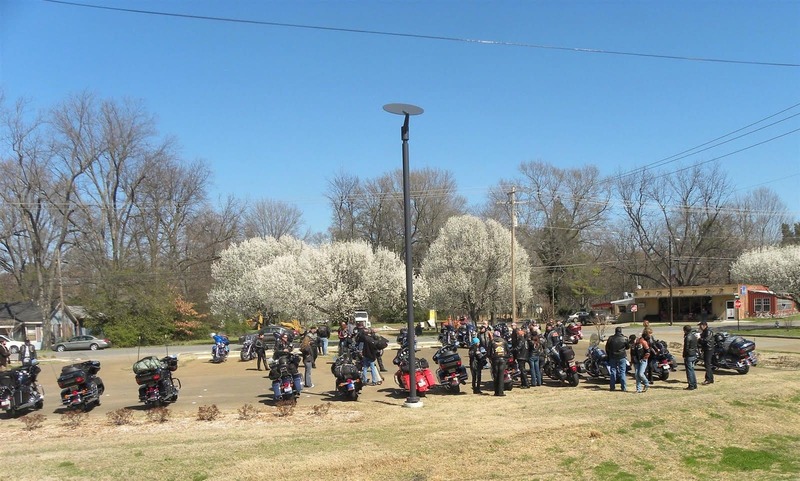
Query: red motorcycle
{"type": "Point", "coordinates": [424, 379]}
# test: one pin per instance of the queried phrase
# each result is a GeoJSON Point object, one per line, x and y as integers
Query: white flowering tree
{"type": "Point", "coordinates": [302, 281]}
{"type": "Point", "coordinates": [235, 274]}
{"type": "Point", "coordinates": [469, 267]}
{"type": "Point", "coordinates": [776, 267]}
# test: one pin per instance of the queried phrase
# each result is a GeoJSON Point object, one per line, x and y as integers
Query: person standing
{"type": "Point", "coordinates": [27, 353]}
{"type": "Point", "coordinates": [369, 353]}
{"type": "Point", "coordinates": [616, 350]}
{"type": "Point", "coordinates": [707, 346]}
{"type": "Point", "coordinates": [690, 338]}
{"type": "Point", "coordinates": [308, 350]}
{"type": "Point", "coordinates": [522, 355]}
{"type": "Point", "coordinates": [5, 355]}
{"type": "Point", "coordinates": [643, 357]}
{"type": "Point", "coordinates": [261, 351]}
{"type": "Point", "coordinates": [345, 338]}
{"type": "Point", "coordinates": [499, 355]}
{"type": "Point", "coordinates": [536, 354]}
{"type": "Point", "coordinates": [477, 360]}
{"type": "Point", "coordinates": [324, 333]}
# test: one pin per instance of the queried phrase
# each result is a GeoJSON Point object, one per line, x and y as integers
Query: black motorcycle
{"type": "Point", "coordinates": [451, 374]}
{"type": "Point", "coordinates": [560, 365]}
{"type": "Point", "coordinates": [661, 362]}
{"type": "Point", "coordinates": [248, 351]}
{"type": "Point", "coordinates": [732, 352]}
{"type": "Point", "coordinates": [157, 387]}
{"type": "Point", "coordinates": [464, 335]}
{"type": "Point", "coordinates": [348, 375]}
{"type": "Point", "coordinates": [19, 390]}
{"type": "Point", "coordinates": [80, 385]}
{"type": "Point", "coordinates": [285, 377]}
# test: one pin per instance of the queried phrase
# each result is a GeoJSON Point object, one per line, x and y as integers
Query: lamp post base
{"type": "Point", "coordinates": [412, 403]}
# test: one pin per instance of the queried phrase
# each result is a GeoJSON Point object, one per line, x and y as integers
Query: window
{"type": "Point", "coordinates": [762, 304]}
{"type": "Point", "coordinates": [784, 305]}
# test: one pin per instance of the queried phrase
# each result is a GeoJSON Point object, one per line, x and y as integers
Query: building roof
{"type": "Point", "coordinates": [25, 312]}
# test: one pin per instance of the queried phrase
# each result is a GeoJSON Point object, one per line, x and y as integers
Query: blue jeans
{"type": "Point", "coordinates": [641, 376]}
{"type": "Point", "coordinates": [308, 364]}
{"type": "Point", "coordinates": [536, 371]}
{"type": "Point", "coordinates": [323, 341]}
{"type": "Point", "coordinates": [298, 386]}
{"type": "Point", "coordinates": [369, 364]}
{"type": "Point", "coordinates": [688, 363]}
{"type": "Point", "coordinates": [616, 370]}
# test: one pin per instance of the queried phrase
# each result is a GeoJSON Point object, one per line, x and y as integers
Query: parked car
{"type": "Point", "coordinates": [270, 332]}
{"type": "Point", "coordinates": [82, 342]}
{"type": "Point", "coordinates": [11, 344]}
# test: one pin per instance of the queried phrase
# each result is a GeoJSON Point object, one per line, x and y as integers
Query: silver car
{"type": "Point", "coordinates": [82, 342]}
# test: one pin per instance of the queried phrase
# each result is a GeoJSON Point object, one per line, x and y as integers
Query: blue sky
{"type": "Point", "coordinates": [278, 111]}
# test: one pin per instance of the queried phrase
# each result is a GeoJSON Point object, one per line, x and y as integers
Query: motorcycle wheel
{"type": "Point", "coordinates": [744, 369]}
{"type": "Point", "coordinates": [508, 386]}
{"type": "Point", "coordinates": [456, 389]}
{"type": "Point", "coordinates": [664, 374]}
{"type": "Point", "coordinates": [573, 379]}
{"type": "Point", "coordinates": [244, 356]}
{"type": "Point", "coordinates": [352, 395]}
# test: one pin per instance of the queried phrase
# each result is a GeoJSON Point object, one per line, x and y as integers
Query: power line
{"type": "Point", "coordinates": [427, 37]}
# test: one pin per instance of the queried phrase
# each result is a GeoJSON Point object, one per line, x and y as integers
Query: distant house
{"type": "Point", "coordinates": [692, 303]}
{"type": "Point", "coordinates": [21, 320]}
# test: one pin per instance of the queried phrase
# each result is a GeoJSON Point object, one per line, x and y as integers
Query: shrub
{"type": "Point", "coordinates": [33, 421]}
{"type": "Point", "coordinates": [208, 413]}
{"type": "Point", "coordinates": [120, 416]}
{"type": "Point", "coordinates": [320, 409]}
{"type": "Point", "coordinates": [73, 419]}
{"type": "Point", "coordinates": [247, 412]}
{"type": "Point", "coordinates": [285, 408]}
{"type": "Point", "coordinates": [158, 414]}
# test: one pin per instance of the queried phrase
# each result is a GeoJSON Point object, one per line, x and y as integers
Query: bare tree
{"type": "Point", "coordinates": [757, 217]}
{"type": "Point", "coordinates": [272, 218]}
{"type": "Point", "coordinates": [344, 190]}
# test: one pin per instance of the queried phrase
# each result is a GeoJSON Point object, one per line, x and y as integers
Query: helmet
{"type": "Point", "coordinates": [213, 334]}
{"type": "Point", "coordinates": [34, 362]}
{"type": "Point", "coordinates": [475, 340]}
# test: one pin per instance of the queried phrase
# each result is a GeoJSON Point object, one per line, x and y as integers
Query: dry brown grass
{"type": "Point", "coordinates": [582, 433]}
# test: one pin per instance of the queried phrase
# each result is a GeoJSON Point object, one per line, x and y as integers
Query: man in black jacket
{"type": "Point", "coordinates": [520, 342]}
{"type": "Point", "coordinates": [690, 337]}
{"type": "Point", "coordinates": [261, 354]}
{"type": "Point", "coordinates": [616, 347]}
{"type": "Point", "coordinates": [369, 353]}
{"type": "Point", "coordinates": [707, 345]}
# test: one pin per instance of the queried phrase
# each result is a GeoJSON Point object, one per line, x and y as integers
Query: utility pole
{"type": "Point", "coordinates": [512, 201]}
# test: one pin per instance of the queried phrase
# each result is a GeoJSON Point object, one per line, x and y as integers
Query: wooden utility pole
{"type": "Point", "coordinates": [513, 202]}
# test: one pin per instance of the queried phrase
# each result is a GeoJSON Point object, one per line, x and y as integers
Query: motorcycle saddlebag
{"type": "Point", "coordinates": [70, 374]}
{"type": "Point", "coordinates": [737, 345]}
{"type": "Point", "coordinates": [146, 376]}
{"type": "Point", "coordinates": [346, 371]}
{"type": "Point", "coordinates": [449, 361]}
{"type": "Point", "coordinates": [566, 353]}
{"type": "Point", "coordinates": [7, 379]}
{"type": "Point", "coordinates": [171, 362]}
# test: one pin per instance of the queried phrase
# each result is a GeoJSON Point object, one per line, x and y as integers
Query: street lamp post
{"type": "Point", "coordinates": [407, 110]}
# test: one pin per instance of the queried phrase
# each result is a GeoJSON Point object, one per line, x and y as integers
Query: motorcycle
{"type": "Point", "coordinates": [464, 335]}
{"type": "Point", "coordinates": [733, 352]}
{"type": "Point", "coordinates": [596, 362]}
{"type": "Point", "coordinates": [424, 378]}
{"type": "Point", "coordinates": [661, 362]}
{"type": "Point", "coordinates": [157, 387]}
{"type": "Point", "coordinates": [248, 351]}
{"type": "Point", "coordinates": [573, 332]}
{"type": "Point", "coordinates": [219, 352]}
{"type": "Point", "coordinates": [80, 385]}
{"type": "Point", "coordinates": [19, 390]}
{"type": "Point", "coordinates": [286, 380]}
{"type": "Point", "coordinates": [560, 365]}
{"type": "Point", "coordinates": [451, 374]}
{"type": "Point", "coordinates": [348, 375]}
